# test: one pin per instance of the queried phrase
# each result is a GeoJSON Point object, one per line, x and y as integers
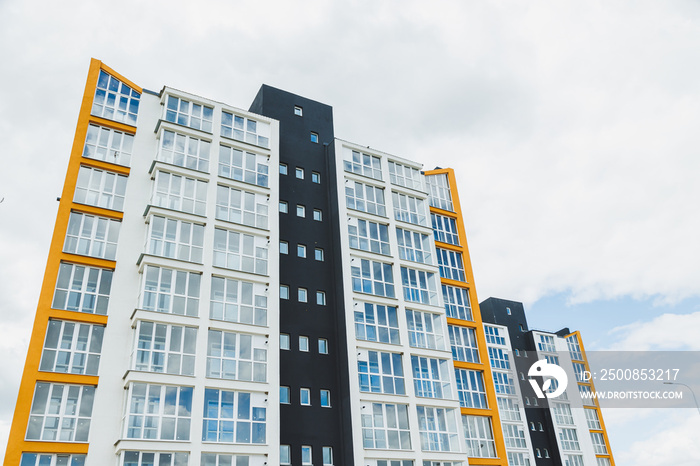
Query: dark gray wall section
{"type": "Point", "coordinates": [311, 425]}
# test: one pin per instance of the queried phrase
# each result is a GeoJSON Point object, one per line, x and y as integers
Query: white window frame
{"type": "Point", "coordinates": [437, 429]}
{"type": "Point", "coordinates": [457, 302]}
{"type": "Point", "coordinates": [513, 436]}
{"type": "Point", "coordinates": [470, 388]}
{"type": "Point", "coordinates": [386, 421]}
{"type": "Point", "coordinates": [245, 129]}
{"type": "Point", "coordinates": [93, 236]}
{"type": "Point", "coordinates": [188, 113]}
{"type": "Point", "coordinates": [175, 239]}
{"type": "Point", "coordinates": [478, 434]}
{"type": "Point", "coordinates": [419, 286]}
{"type": "Point", "coordinates": [409, 209]}
{"type": "Point", "coordinates": [372, 277]}
{"type": "Point", "coordinates": [503, 383]}
{"type": "Point", "coordinates": [451, 265]}
{"type": "Point", "coordinates": [305, 396]}
{"type": "Point", "coordinates": [60, 412]}
{"type": "Point", "coordinates": [244, 166]}
{"type": "Point", "coordinates": [380, 372]}
{"type": "Point", "coordinates": [363, 164]}
{"type": "Point", "coordinates": [369, 236]}
{"type": "Point", "coordinates": [325, 397]}
{"type": "Point", "coordinates": [108, 145]}
{"type": "Point", "coordinates": [499, 358]}
{"type": "Point", "coordinates": [592, 419]}
{"type": "Point", "coordinates": [463, 343]}
{"type": "Point", "coordinates": [425, 330]}
{"type": "Point", "coordinates": [414, 246]}
{"type": "Point", "coordinates": [39, 459]}
{"type": "Point", "coordinates": [72, 347]}
{"type": "Point", "coordinates": [569, 439]}
{"type": "Point", "coordinates": [239, 251]}
{"type": "Point", "coordinates": [238, 301]}
{"type": "Point", "coordinates": [493, 335]}
{"type": "Point", "coordinates": [236, 356]}
{"type": "Point", "coordinates": [439, 189]}
{"type": "Point", "coordinates": [249, 409]}
{"type": "Point", "coordinates": [164, 348]}
{"type": "Point", "coordinates": [115, 100]}
{"type": "Point", "coordinates": [100, 188]}
{"type": "Point", "coordinates": [599, 443]}
{"type": "Point", "coordinates": [184, 150]}
{"type": "Point", "coordinates": [146, 414]}
{"type": "Point", "coordinates": [431, 377]}
{"type": "Point", "coordinates": [376, 322]}
{"type": "Point", "coordinates": [242, 207]}
{"type": "Point", "coordinates": [82, 289]}
{"type": "Point", "coordinates": [177, 192]}
{"type": "Point", "coordinates": [365, 198]}
{"type": "Point", "coordinates": [405, 175]}
{"type": "Point", "coordinates": [170, 291]}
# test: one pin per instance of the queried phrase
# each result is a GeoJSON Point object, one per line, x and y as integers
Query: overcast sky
{"type": "Point", "coordinates": [573, 128]}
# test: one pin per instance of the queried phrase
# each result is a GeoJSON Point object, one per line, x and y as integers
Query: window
{"type": "Point", "coordinates": [569, 439]}
{"type": "Point", "coordinates": [100, 188]}
{"type": "Point", "coordinates": [457, 304]}
{"type": "Point", "coordinates": [438, 429]}
{"type": "Point", "coordinates": [538, 453]}
{"type": "Point", "coordinates": [603, 462]}
{"type": "Point", "coordinates": [431, 377]}
{"type": "Point", "coordinates": [380, 372]}
{"type": "Point", "coordinates": [283, 169]}
{"type": "Point", "coordinates": [470, 388]}
{"type": "Point", "coordinates": [238, 301]}
{"type": "Point", "coordinates": [439, 189]}
{"type": "Point", "coordinates": [179, 193]}
{"type": "Point", "coordinates": [493, 335]}
{"type": "Point", "coordinates": [285, 454]}
{"type": "Point", "coordinates": [321, 298]}
{"type": "Point", "coordinates": [108, 145]}
{"type": "Point", "coordinates": [248, 167]}
{"type": "Point", "coordinates": [72, 348]}
{"type": "Point", "coordinates": [234, 205]}
{"type": "Point", "coordinates": [315, 177]}
{"type": "Point", "coordinates": [546, 452]}
{"type": "Point", "coordinates": [236, 356]}
{"type": "Point", "coordinates": [301, 211]}
{"type": "Point", "coordinates": [299, 173]}
{"type": "Point", "coordinates": [599, 443]}
{"type": "Point", "coordinates": [585, 394]}
{"type": "Point", "coordinates": [592, 419]}
{"type": "Point", "coordinates": [418, 286]}
{"type": "Point", "coordinates": [451, 265]}
{"type": "Point", "coordinates": [318, 254]}
{"type": "Point", "coordinates": [518, 459]}
{"type": "Point", "coordinates": [445, 229]}
{"type": "Point", "coordinates": [171, 291]}
{"type": "Point", "coordinates": [532, 424]}
{"type": "Point", "coordinates": [92, 236]}
{"type": "Point", "coordinates": [375, 322]}
{"type": "Point", "coordinates": [49, 459]}
{"type": "Point", "coordinates": [158, 412]}
{"type": "Point", "coordinates": [306, 456]}
{"type": "Point", "coordinates": [514, 436]}
{"type": "Point", "coordinates": [327, 456]}
{"type": "Point", "coordinates": [509, 409]}
{"type": "Point", "coordinates": [522, 329]}
{"type": "Point", "coordinates": [372, 277]}
{"type": "Point", "coordinates": [175, 239]}
{"type": "Point", "coordinates": [164, 348]}
{"type": "Point", "coordinates": [284, 292]}
{"type": "Point", "coordinates": [325, 398]}
{"type": "Point", "coordinates": [365, 198]}
{"type": "Point", "coordinates": [301, 250]}
{"type": "Point", "coordinates": [305, 396]}
{"type": "Point", "coordinates": [406, 176]}
{"type": "Point", "coordinates": [404, 463]}
{"type": "Point", "coordinates": [322, 346]}
{"type": "Point", "coordinates": [284, 341]}
{"type": "Point", "coordinates": [186, 113]}
{"type": "Point", "coordinates": [546, 343]}
{"type": "Point", "coordinates": [573, 460]}
{"type": "Point", "coordinates": [213, 459]}
{"type": "Point", "coordinates": [499, 358]}
{"type": "Point", "coordinates": [238, 251]}
{"type": "Point", "coordinates": [369, 236]}
{"type": "Point", "coordinates": [463, 343]}
{"type": "Point", "coordinates": [385, 426]}
{"type": "Point", "coordinates": [82, 289]}
{"type": "Point", "coordinates": [362, 164]}
{"type": "Point", "coordinates": [504, 384]}
{"type": "Point", "coordinates": [314, 137]}
{"type": "Point", "coordinates": [574, 348]}
{"type": "Point", "coordinates": [414, 246]}
{"type": "Point", "coordinates": [479, 436]}
{"type": "Point", "coordinates": [425, 330]}
{"type": "Point", "coordinates": [318, 215]}
{"type": "Point", "coordinates": [409, 209]}
{"type": "Point", "coordinates": [244, 129]}
{"type": "Point", "coordinates": [304, 343]}
{"type": "Point", "coordinates": [580, 371]}
{"type": "Point", "coordinates": [302, 295]}
{"type": "Point", "coordinates": [508, 311]}
{"type": "Point", "coordinates": [298, 111]}
{"type": "Point", "coordinates": [184, 151]}
{"type": "Point", "coordinates": [61, 412]}
{"type": "Point", "coordinates": [284, 247]}
{"type": "Point", "coordinates": [234, 417]}
{"type": "Point", "coordinates": [115, 100]}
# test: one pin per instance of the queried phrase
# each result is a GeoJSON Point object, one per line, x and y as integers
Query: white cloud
{"type": "Point", "coordinates": [666, 332]}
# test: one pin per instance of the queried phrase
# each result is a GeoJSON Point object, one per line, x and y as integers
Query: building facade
{"type": "Point", "coordinates": [240, 287]}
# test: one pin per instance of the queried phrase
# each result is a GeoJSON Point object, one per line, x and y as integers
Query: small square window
{"type": "Point", "coordinates": [318, 215]}
{"type": "Point", "coordinates": [305, 396]}
{"type": "Point", "coordinates": [284, 247]}
{"type": "Point", "coordinates": [298, 111]}
{"type": "Point", "coordinates": [284, 292]}
{"type": "Point", "coordinates": [301, 250]}
{"type": "Point", "coordinates": [304, 344]}
{"type": "Point", "coordinates": [285, 454]}
{"type": "Point", "coordinates": [306, 455]}
{"type": "Point", "coordinates": [283, 168]}
{"type": "Point", "coordinates": [300, 173]}
{"type": "Point", "coordinates": [314, 137]}
{"type": "Point", "coordinates": [284, 207]}
{"type": "Point", "coordinates": [326, 398]}
{"type": "Point", "coordinates": [302, 295]}
{"type": "Point", "coordinates": [321, 298]}
{"type": "Point", "coordinates": [284, 341]}
{"type": "Point", "coordinates": [284, 395]}
{"type": "Point", "coordinates": [318, 254]}
{"type": "Point", "coordinates": [301, 210]}
{"type": "Point", "coordinates": [316, 177]}
{"type": "Point", "coordinates": [322, 346]}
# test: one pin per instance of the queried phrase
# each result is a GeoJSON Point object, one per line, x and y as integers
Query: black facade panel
{"type": "Point", "coordinates": [313, 425]}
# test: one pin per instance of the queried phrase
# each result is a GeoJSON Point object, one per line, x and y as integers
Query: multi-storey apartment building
{"type": "Point", "coordinates": [567, 430]}
{"type": "Point", "coordinates": [240, 287]}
